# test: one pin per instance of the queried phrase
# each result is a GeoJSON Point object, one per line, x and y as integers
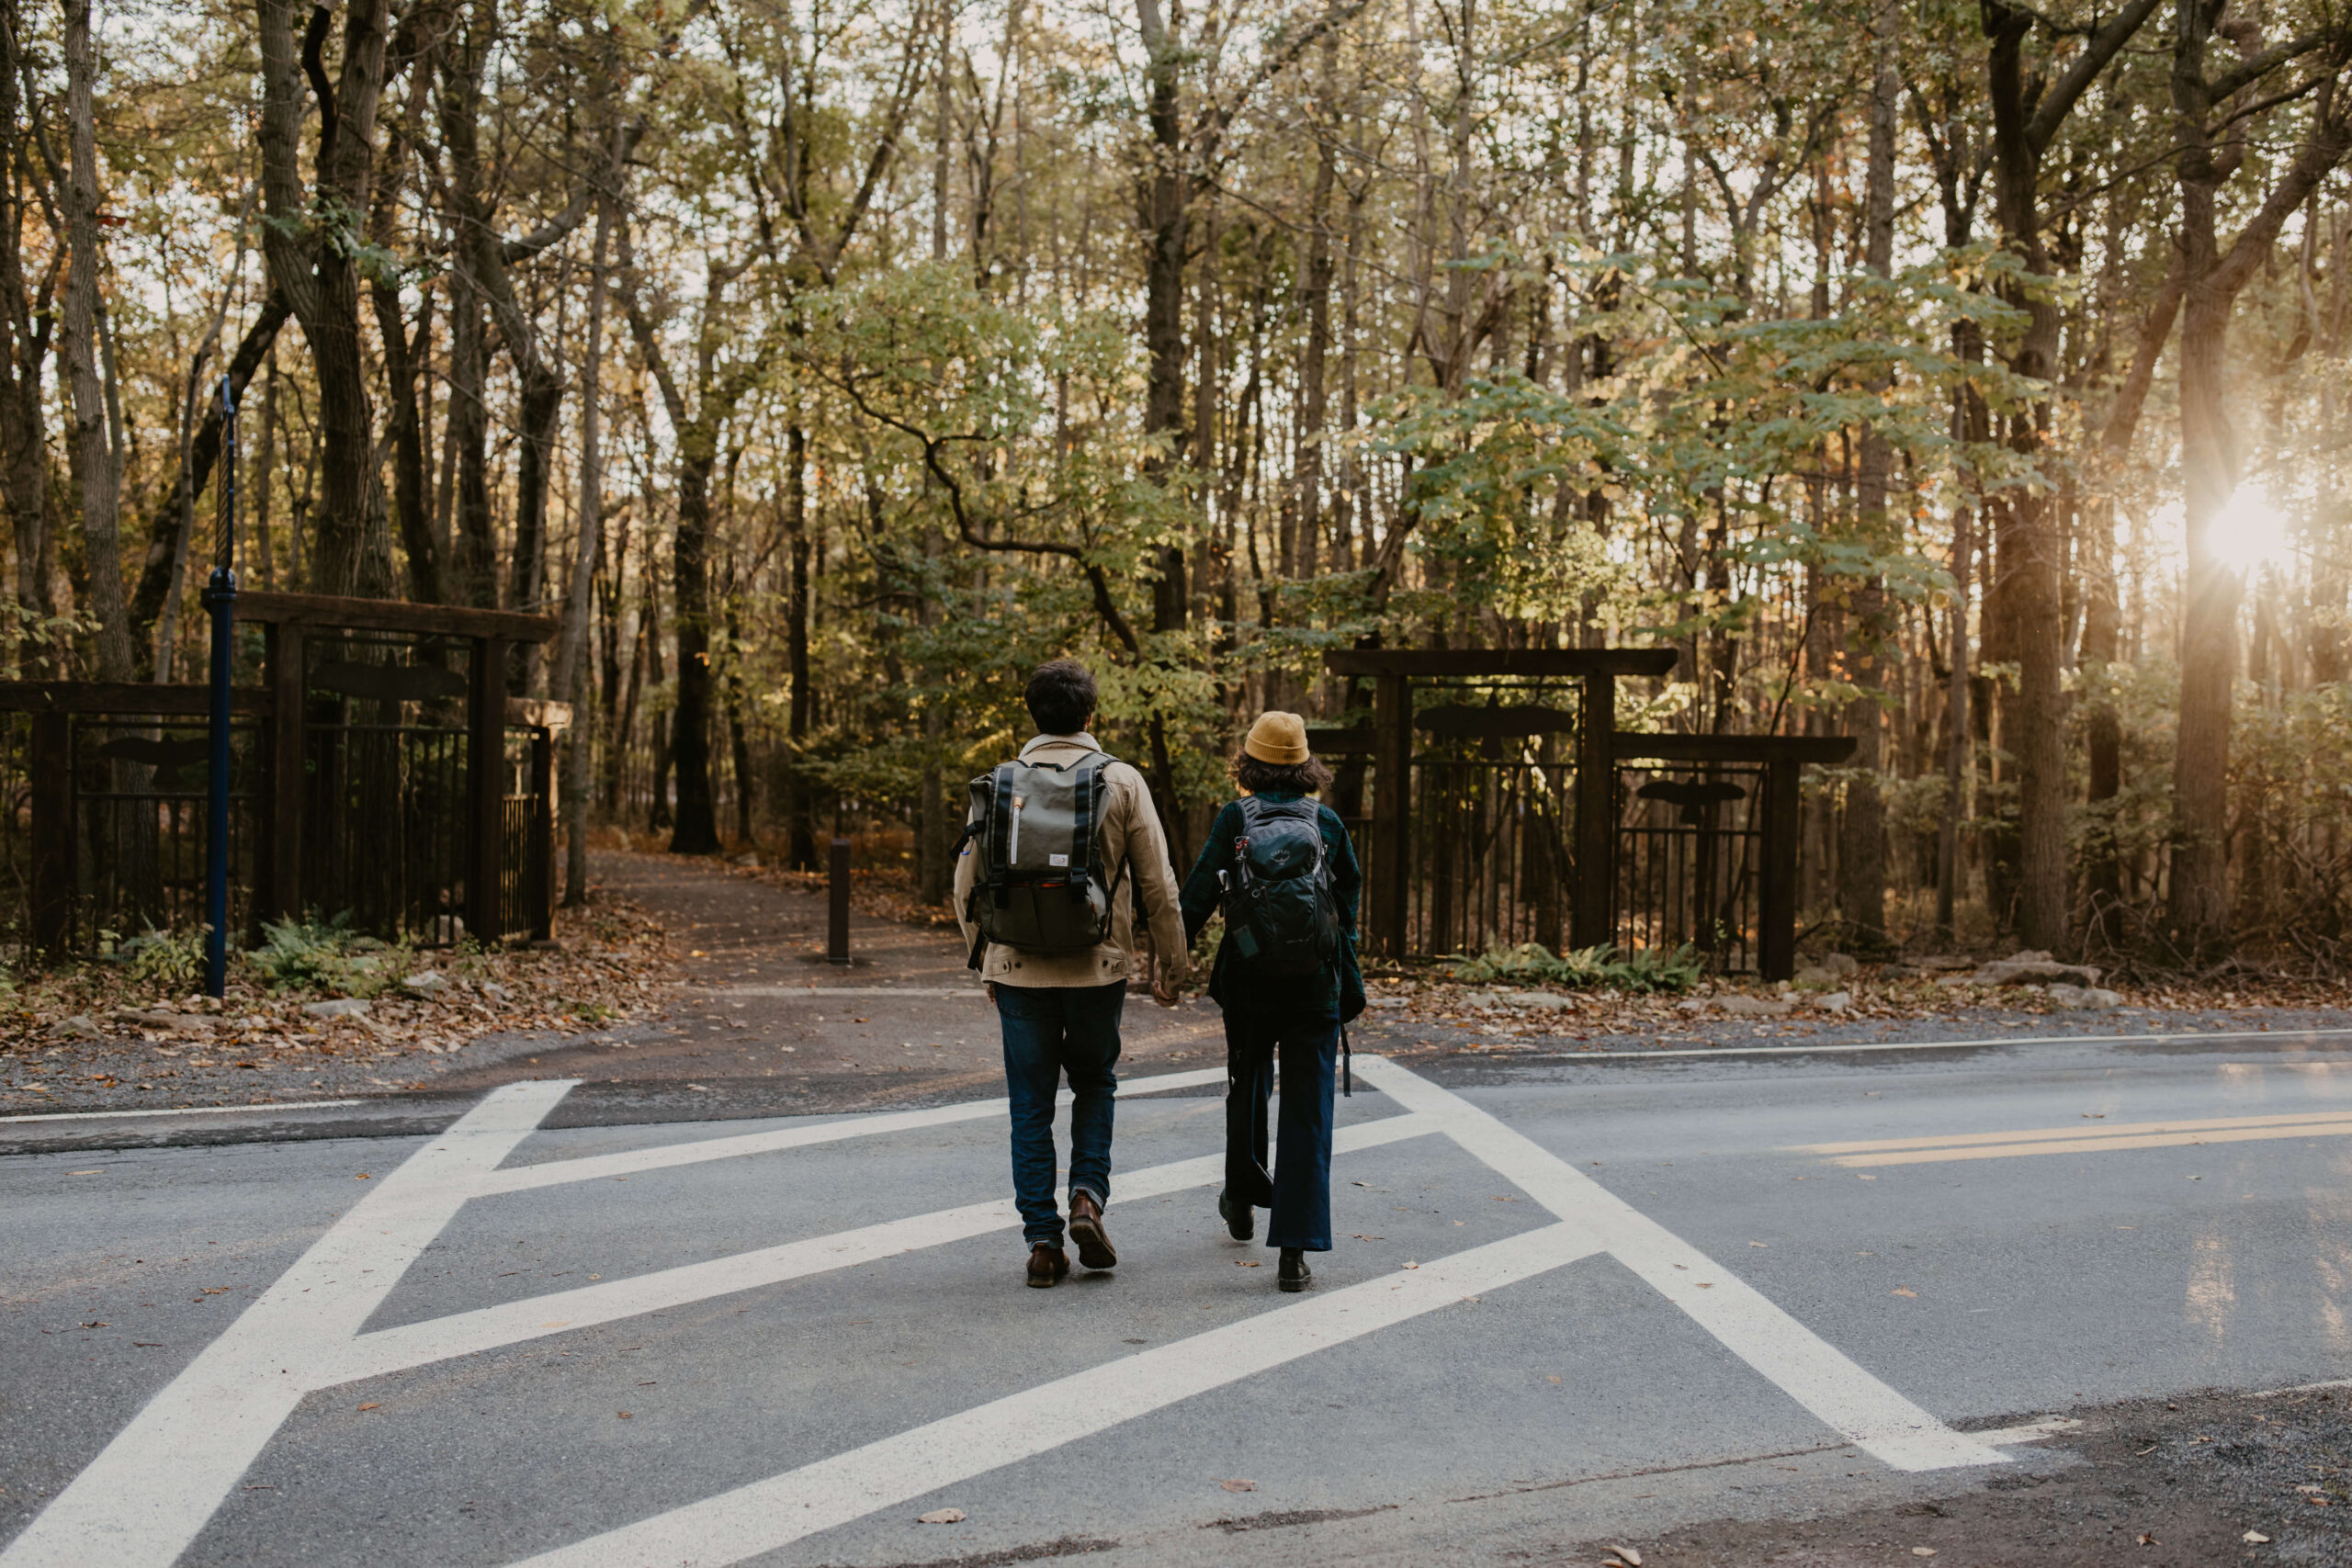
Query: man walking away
{"type": "Point", "coordinates": [1056, 843]}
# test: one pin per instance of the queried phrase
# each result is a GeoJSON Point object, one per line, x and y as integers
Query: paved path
{"type": "Point", "coordinates": [767, 1025]}
{"type": "Point", "coordinates": [1572, 1302]}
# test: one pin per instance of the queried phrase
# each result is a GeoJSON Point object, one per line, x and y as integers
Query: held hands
{"type": "Point", "coordinates": [1167, 989]}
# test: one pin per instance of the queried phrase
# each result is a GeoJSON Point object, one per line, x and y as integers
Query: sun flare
{"type": "Point", "coordinates": [2251, 531]}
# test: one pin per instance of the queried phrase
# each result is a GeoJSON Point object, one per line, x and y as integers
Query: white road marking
{"type": "Point", "coordinates": [176, 1110]}
{"type": "Point", "coordinates": [1921, 1044]}
{"type": "Point", "coordinates": [151, 1490]}
{"type": "Point", "coordinates": [800, 1503]}
{"type": "Point", "coordinates": [490, 1328]}
{"type": "Point", "coordinates": [666, 1157]}
{"type": "Point", "coordinates": [1807, 1368]}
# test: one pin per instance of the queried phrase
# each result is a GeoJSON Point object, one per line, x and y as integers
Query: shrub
{"type": "Point", "coordinates": [314, 955]}
{"type": "Point", "coordinates": [159, 958]}
{"type": "Point", "coordinates": [1639, 969]}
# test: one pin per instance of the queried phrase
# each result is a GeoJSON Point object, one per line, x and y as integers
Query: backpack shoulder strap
{"type": "Point", "coordinates": [1085, 805]}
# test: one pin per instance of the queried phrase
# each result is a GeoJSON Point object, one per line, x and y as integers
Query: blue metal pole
{"type": "Point", "coordinates": [220, 598]}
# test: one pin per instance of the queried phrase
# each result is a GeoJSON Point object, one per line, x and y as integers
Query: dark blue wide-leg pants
{"type": "Point", "coordinates": [1299, 1191]}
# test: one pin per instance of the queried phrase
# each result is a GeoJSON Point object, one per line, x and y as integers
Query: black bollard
{"type": "Point", "coordinates": [837, 941]}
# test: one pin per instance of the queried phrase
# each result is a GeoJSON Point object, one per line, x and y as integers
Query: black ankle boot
{"type": "Point", "coordinates": [1240, 1221]}
{"type": "Point", "coordinates": [1293, 1274]}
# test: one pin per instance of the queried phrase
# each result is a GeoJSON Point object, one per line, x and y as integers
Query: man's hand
{"type": "Point", "coordinates": [1165, 989]}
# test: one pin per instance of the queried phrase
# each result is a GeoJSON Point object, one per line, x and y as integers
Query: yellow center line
{"type": "Point", "coordinates": [2077, 1146]}
{"type": "Point", "coordinates": [2043, 1134]}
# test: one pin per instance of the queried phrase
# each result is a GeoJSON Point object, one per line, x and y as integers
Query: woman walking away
{"type": "Point", "coordinates": [1281, 866]}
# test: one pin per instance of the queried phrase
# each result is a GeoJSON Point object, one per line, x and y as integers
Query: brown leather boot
{"type": "Point", "coordinates": [1047, 1264]}
{"type": "Point", "coordinates": [1094, 1249]}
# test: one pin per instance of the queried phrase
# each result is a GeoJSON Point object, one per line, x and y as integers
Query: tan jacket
{"type": "Point", "coordinates": [1131, 837]}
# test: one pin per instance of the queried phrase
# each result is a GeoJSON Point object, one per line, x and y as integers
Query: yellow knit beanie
{"type": "Point", "coordinates": [1278, 739]}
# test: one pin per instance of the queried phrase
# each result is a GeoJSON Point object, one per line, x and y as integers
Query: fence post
{"type": "Point", "coordinates": [837, 933]}
{"type": "Point", "coordinates": [1392, 815]}
{"type": "Point", "coordinates": [50, 758]}
{"type": "Point", "coordinates": [542, 834]}
{"type": "Point", "coordinates": [486, 787]}
{"type": "Point", "coordinates": [1590, 914]}
{"type": "Point", "coordinates": [1776, 945]}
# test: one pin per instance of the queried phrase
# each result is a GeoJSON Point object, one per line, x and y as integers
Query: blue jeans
{"type": "Point", "coordinates": [1299, 1191]}
{"type": "Point", "coordinates": [1049, 1031]}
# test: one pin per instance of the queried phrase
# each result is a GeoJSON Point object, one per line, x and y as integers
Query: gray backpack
{"type": "Point", "coordinates": [1041, 886]}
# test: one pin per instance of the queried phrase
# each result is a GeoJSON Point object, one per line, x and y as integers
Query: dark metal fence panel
{"type": "Point", "coordinates": [1492, 853]}
{"type": "Point", "coordinates": [1492, 804]}
{"type": "Point", "coordinates": [385, 760]}
{"type": "Point", "coordinates": [1690, 860]}
{"type": "Point", "coordinates": [114, 811]}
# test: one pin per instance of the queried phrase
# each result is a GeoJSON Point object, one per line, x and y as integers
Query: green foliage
{"type": "Point", "coordinates": [327, 956]}
{"type": "Point", "coordinates": [1586, 968]}
{"type": "Point", "coordinates": [161, 959]}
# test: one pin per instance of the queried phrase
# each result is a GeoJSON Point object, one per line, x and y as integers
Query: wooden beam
{"type": "Point", "coordinates": [1392, 815]}
{"type": "Point", "coordinates": [394, 615]}
{"type": "Point", "coordinates": [485, 788]}
{"type": "Point", "coordinates": [1341, 742]}
{"type": "Point", "coordinates": [1823, 749]}
{"type": "Point", "coordinates": [1776, 943]}
{"type": "Point", "coordinates": [121, 697]}
{"type": "Point", "coordinates": [1563, 661]}
{"type": "Point", "coordinates": [49, 760]}
{"type": "Point", "coordinates": [541, 860]}
{"type": "Point", "coordinates": [1591, 910]}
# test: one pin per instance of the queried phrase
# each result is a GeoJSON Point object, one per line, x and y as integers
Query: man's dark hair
{"type": "Point", "coordinates": [1060, 697]}
{"type": "Point", "coordinates": [1288, 778]}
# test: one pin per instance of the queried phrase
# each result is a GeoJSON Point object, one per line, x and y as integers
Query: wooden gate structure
{"type": "Point", "coordinates": [378, 768]}
{"type": "Point", "coordinates": [1516, 810]}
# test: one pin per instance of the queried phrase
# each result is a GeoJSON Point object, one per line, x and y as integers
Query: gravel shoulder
{"type": "Point", "coordinates": [2187, 1483]}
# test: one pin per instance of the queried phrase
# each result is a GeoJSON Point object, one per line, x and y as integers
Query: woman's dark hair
{"type": "Point", "coordinates": [1060, 697]}
{"type": "Point", "coordinates": [1287, 778]}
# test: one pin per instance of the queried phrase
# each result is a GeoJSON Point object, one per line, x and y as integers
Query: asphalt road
{"type": "Point", "coordinates": [1574, 1302]}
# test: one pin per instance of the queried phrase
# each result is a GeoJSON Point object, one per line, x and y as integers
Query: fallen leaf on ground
{"type": "Point", "coordinates": [2255, 1538]}
{"type": "Point", "coordinates": [2146, 1539]}
{"type": "Point", "coordinates": [1246, 1263]}
{"type": "Point", "coordinates": [624, 1414]}
{"type": "Point", "coordinates": [1412, 1266]}
{"type": "Point", "coordinates": [373, 1405]}
{"type": "Point", "coordinates": [1633, 1559]}
{"type": "Point", "coordinates": [1923, 1552]}
{"type": "Point", "coordinates": [1238, 1486]}
{"type": "Point", "coordinates": [941, 1517]}
{"type": "Point", "coordinates": [1901, 1292]}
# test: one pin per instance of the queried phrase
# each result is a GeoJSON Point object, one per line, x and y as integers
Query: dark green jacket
{"type": "Point", "coordinates": [1231, 984]}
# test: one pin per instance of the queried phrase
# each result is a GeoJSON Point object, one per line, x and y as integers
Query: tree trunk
{"type": "Point", "coordinates": [2212, 279]}
{"type": "Point", "coordinates": [571, 675]}
{"type": "Point", "coordinates": [98, 460]}
{"type": "Point", "coordinates": [1165, 198]}
{"type": "Point", "coordinates": [26, 327]}
{"type": "Point", "coordinates": [1862, 893]}
{"type": "Point", "coordinates": [695, 828]}
{"type": "Point", "coordinates": [315, 259]}
{"type": "Point", "coordinates": [801, 849]}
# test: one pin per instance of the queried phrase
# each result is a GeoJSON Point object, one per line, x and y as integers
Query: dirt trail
{"type": "Point", "coordinates": [765, 1025]}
